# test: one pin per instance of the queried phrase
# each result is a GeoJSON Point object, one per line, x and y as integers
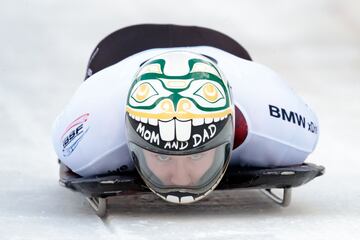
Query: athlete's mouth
{"type": "Point", "coordinates": [187, 197]}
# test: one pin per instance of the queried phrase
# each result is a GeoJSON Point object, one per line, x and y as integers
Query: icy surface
{"type": "Point", "coordinates": [45, 45]}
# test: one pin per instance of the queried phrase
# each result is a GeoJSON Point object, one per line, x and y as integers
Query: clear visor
{"type": "Point", "coordinates": [194, 173]}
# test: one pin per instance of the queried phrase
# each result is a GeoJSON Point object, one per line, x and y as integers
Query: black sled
{"type": "Point", "coordinates": [97, 189]}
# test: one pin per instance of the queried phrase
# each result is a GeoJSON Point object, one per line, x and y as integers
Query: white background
{"type": "Point", "coordinates": [45, 46]}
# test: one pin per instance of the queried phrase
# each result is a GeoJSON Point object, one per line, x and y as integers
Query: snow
{"type": "Point", "coordinates": [45, 48]}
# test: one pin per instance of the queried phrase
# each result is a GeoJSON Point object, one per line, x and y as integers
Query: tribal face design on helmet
{"type": "Point", "coordinates": [179, 119]}
{"type": "Point", "coordinates": [169, 111]}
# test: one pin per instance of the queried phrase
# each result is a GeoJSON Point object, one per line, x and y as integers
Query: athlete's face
{"type": "Point", "coordinates": [177, 170]}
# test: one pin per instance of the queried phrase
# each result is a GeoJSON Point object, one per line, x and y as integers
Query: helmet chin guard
{"type": "Point", "coordinates": [180, 128]}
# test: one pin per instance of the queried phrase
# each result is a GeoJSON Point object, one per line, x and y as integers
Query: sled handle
{"type": "Point", "coordinates": [99, 205]}
{"type": "Point", "coordinates": [283, 201]}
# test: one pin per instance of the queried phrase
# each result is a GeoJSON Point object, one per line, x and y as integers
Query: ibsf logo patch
{"type": "Point", "coordinates": [73, 134]}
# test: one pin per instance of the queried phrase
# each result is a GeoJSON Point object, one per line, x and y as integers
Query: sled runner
{"type": "Point", "coordinates": [98, 189]}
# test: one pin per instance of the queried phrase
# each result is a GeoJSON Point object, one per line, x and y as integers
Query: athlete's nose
{"type": "Point", "coordinates": [180, 175]}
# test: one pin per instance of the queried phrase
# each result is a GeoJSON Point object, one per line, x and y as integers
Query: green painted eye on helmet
{"type": "Point", "coordinates": [179, 105]}
{"type": "Point", "coordinates": [201, 86]}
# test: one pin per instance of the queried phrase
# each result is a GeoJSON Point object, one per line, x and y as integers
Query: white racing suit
{"type": "Point", "coordinates": [277, 127]}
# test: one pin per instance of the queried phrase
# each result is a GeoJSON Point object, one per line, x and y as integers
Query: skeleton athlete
{"type": "Point", "coordinates": [180, 104]}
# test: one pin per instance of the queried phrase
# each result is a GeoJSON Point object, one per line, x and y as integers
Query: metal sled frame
{"type": "Point", "coordinates": [97, 189]}
{"type": "Point", "coordinates": [98, 204]}
{"type": "Point", "coordinates": [284, 201]}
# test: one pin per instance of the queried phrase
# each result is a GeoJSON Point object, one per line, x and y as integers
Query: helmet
{"type": "Point", "coordinates": [180, 127]}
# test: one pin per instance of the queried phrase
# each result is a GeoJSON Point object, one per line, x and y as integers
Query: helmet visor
{"type": "Point", "coordinates": [193, 173]}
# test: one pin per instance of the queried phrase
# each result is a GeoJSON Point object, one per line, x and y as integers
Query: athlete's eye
{"type": "Point", "coordinates": [209, 92]}
{"type": "Point", "coordinates": [196, 157]}
{"type": "Point", "coordinates": [143, 92]}
{"type": "Point", "coordinates": [163, 158]}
